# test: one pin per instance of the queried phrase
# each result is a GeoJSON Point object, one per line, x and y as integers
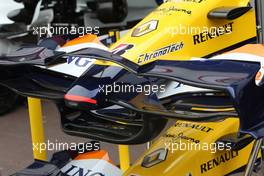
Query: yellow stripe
{"type": "Point", "coordinates": [213, 110]}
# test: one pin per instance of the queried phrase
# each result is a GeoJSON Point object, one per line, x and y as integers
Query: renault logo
{"type": "Point", "coordinates": [155, 158]}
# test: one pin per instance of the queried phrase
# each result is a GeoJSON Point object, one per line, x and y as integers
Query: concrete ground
{"type": "Point", "coordinates": [15, 139]}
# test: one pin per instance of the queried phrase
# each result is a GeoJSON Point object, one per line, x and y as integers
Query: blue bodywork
{"type": "Point", "coordinates": [234, 78]}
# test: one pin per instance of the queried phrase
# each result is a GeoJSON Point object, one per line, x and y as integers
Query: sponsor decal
{"type": "Point", "coordinates": [145, 28]}
{"type": "Point", "coordinates": [75, 66]}
{"type": "Point", "coordinates": [75, 170]}
{"type": "Point", "coordinates": [79, 61]}
{"type": "Point", "coordinates": [195, 126]}
{"type": "Point", "coordinates": [181, 136]}
{"type": "Point", "coordinates": [95, 163]}
{"type": "Point", "coordinates": [122, 48]}
{"type": "Point", "coordinates": [155, 158]}
{"type": "Point", "coordinates": [171, 10]}
{"type": "Point", "coordinates": [215, 32]}
{"type": "Point", "coordinates": [160, 52]}
{"type": "Point", "coordinates": [90, 167]}
{"type": "Point", "coordinates": [220, 160]}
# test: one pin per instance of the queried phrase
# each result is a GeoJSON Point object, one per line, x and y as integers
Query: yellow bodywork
{"type": "Point", "coordinates": [191, 161]}
{"type": "Point", "coordinates": [153, 35]}
{"type": "Point", "coordinates": [174, 15]}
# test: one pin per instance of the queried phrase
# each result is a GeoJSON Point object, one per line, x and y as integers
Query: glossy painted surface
{"type": "Point", "coordinates": [176, 16]}
{"type": "Point", "coordinates": [236, 78]}
{"type": "Point", "coordinates": [146, 42]}
{"type": "Point", "coordinates": [191, 162]}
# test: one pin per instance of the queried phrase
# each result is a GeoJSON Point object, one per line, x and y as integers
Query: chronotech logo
{"type": "Point", "coordinates": [160, 52]}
